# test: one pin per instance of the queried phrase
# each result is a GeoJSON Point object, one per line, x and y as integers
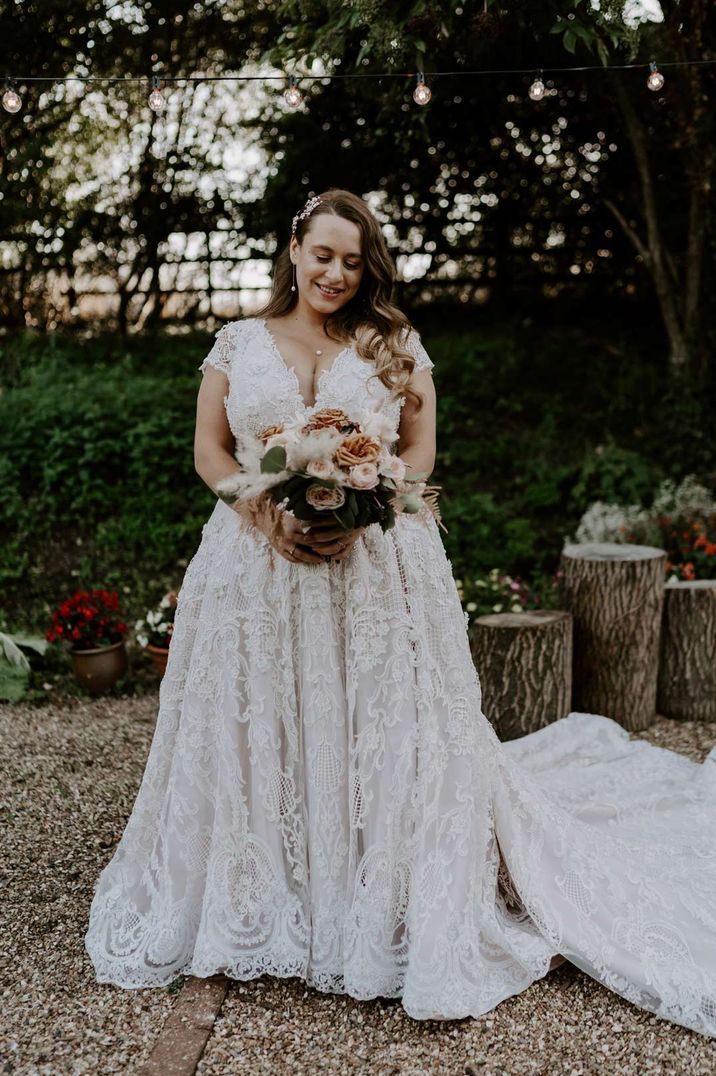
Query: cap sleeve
{"type": "Point", "coordinates": [224, 346]}
{"type": "Point", "coordinates": [414, 346]}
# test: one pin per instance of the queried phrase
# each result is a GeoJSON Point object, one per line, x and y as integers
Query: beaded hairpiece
{"type": "Point", "coordinates": [305, 212]}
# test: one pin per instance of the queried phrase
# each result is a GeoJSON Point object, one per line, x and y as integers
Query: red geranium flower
{"type": "Point", "coordinates": [88, 618]}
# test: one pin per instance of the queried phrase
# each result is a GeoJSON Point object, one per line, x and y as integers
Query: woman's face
{"type": "Point", "coordinates": [329, 262]}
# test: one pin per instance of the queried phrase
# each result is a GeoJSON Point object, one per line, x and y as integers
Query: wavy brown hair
{"type": "Point", "coordinates": [379, 328]}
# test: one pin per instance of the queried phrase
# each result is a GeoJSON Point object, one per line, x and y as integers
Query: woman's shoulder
{"type": "Point", "coordinates": [227, 338]}
{"type": "Point", "coordinates": [412, 341]}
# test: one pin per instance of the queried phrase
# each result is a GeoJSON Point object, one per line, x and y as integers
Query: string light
{"type": "Point", "coordinates": [11, 101]}
{"type": "Point", "coordinates": [655, 80]}
{"type": "Point", "coordinates": [536, 90]}
{"type": "Point", "coordinates": [155, 100]}
{"type": "Point", "coordinates": [293, 95]}
{"type": "Point", "coordinates": [421, 93]}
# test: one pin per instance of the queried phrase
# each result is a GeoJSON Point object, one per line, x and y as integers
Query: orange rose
{"type": "Point", "coordinates": [357, 448]}
{"type": "Point", "coordinates": [270, 431]}
{"type": "Point", "coordinates": [326, 417]}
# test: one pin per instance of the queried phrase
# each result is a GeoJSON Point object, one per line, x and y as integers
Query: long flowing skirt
{"type": "Point", "coordinates": [325, 798]}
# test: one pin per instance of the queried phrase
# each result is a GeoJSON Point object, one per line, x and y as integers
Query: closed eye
{"type": "Point", "coordinates": [320, 259]}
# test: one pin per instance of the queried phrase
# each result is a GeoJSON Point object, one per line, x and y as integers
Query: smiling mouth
{"type": "Point", "coordinates": [328, 292]}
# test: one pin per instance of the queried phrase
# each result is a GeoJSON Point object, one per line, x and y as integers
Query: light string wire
{"type": "Point", "coordinates": [12, 102]}
{"type": "Point", "coordinates": [165, 79]}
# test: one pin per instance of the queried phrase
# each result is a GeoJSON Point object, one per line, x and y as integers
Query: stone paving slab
{"type": "Point", "coordinates": [189, 1025]}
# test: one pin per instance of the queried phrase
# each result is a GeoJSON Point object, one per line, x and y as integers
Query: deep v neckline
{"type": "Point", "coordinates": [291, 371]}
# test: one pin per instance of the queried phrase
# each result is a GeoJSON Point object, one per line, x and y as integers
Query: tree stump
{"type": "Point", "coordinates": [524, 661]}
{"type": "Point", "coordinates": [615, 592]}
{"type": "Point", "coordinates": [687, 661]}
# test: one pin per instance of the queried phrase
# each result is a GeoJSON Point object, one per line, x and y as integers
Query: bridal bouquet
{"type": "Point", "coordinates": [334, 463]}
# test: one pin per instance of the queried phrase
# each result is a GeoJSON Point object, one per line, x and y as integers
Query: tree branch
{"type": "Point", "coordinates": [628, 230]}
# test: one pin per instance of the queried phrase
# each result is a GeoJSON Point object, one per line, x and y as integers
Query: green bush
{"type": "Point", "coordinates": [96, 454]}
{"type": "Point", "coordinates": [96, 462]}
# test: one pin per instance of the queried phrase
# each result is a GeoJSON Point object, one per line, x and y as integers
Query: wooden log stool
{"type": "Point", "coordinates": [687, 662]}
{"type": "Point", "coordinates": [615, 592]}
{"type": "Point", "coordinates": [524, 661]}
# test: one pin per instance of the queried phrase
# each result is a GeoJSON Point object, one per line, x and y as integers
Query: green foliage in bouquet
{"type": "Point", "coordinates": [361, 508]}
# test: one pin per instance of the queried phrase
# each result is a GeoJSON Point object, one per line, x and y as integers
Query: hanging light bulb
{"type": "Point", "coordinates": [421, 93]}
{"type": "Point", "coordinates": [536, 90]}
{"type": "Point", "coordinates": [293, 95]}
{"type": "Point", "coordinates": [11, 101]}
{"type": "Point", "coordinates": [655, 80]}
{"type": "Point", "coordinates": [155, 101]}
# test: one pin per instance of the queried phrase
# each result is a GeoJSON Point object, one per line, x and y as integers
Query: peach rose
{"type": "Point", "coordinates": [320, 468]}
{"type": "Point", "coordinates": [270, 431]}
{"type": "Point", "coordinates": [327, 416]}
{"type": "Point", "coordinates": [364, 476]}
{"type": "Point", "coordinates": [323, 498]}
{"type": "Point", "coordinates": [355, 449]}
{"type": "Point", "coordinates": [394, 468]}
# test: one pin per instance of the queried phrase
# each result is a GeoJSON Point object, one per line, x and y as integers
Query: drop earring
{"type": "Point", "coordinates": [293, 286]}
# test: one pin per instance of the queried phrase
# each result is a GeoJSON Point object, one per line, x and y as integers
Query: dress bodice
{"type": "Point", "coordinates": [263, 390]}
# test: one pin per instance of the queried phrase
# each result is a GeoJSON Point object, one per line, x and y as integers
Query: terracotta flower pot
{"type": "Point", "coordinates": [99, 669]}
{"type": "Point", "coordinates": [160, 654]}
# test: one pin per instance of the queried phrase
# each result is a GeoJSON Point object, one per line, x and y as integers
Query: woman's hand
{"type": "Point", "coordinates": [331, 540]}
{"type": "Point", "coordinates": [298, 542]}
{"type": "Point", "coordinates": [290, 541]}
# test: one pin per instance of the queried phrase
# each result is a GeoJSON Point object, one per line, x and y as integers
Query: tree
{"type": "Point", "coordinates": [665, 210]}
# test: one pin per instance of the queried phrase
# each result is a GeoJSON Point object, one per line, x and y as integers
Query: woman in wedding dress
{"type": "Point", "coordinates": [324, 796]}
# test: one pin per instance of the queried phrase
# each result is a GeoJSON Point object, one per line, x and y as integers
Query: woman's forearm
{"type": "Point", "coordinates": [217, 465]}
{"type": "Point", "coordinates": [417, 460]}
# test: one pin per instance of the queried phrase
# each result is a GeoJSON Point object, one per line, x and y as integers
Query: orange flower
{"type": "Point", "coordinates": [326, 417]}
{"type": "Point", "coordinates": [270, 431]}
{"type": "Point", "coordinates": [357, 448]}
{"type": "Point", "coordinates": [710, 549]}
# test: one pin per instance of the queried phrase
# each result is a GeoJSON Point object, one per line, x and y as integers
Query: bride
{"type": "Point", "coordinates": [324, 796]}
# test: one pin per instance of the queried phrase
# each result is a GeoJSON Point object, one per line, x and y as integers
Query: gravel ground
{"type": "Point", "coordinates": [69, 776]}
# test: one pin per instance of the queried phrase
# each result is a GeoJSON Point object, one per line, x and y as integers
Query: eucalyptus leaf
{"type": "Point", "coordinates": [274, 460]}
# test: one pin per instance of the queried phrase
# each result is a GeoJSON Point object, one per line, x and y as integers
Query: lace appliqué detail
{"type": "Point", "coordinates": [224, 347]}
{"type": "Point", "coordinates": [414, 345]}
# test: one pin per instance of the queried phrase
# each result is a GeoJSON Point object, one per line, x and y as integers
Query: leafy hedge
{"type": "Point", "coordinates": [96, 454]}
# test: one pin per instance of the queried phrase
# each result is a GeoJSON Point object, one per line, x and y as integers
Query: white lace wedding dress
{"type": "Point", "coordinates": [324, 797]}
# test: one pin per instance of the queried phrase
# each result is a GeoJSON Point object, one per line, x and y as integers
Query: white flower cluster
{"type": "Point", "coordinates": [155, 619]}
{"type": "Point", "coordinates": [604, 522]}
{"type": "Point", "coordinates": [689, 498]}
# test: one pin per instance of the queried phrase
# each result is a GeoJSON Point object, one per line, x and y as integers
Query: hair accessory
{"type": "Point", "coordinates": [305, 212]}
